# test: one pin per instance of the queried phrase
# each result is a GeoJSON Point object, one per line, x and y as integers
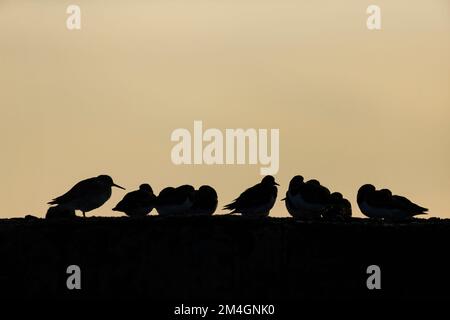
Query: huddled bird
{"type": "Point", "coordinates": [60, 212]}
{"type": "Point", "coordinates": [88, 194]}
{"type": "Point", "coordinates": [339, 207]}
{"type": "Point", "coordinates": [306, 200]}
{"type": "Point", "coordinates": [175, 201]}
{"type": "Point", "coordinates": [137, 203]}
{"type": "Point", "coordinates": [205, 201]}
{"type": "Point", "coordinates": [382, 204]}
{"type": "Point", "coordinates": [257, 200]}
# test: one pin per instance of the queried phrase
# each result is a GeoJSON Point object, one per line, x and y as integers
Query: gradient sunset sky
{"type": "Point", "coordinates": [353, 106]}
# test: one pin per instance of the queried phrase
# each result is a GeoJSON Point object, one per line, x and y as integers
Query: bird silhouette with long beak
{"type": "Point", "coordinates": [257, 200]}
{"type": "Point", "coordinates": [88, 194]}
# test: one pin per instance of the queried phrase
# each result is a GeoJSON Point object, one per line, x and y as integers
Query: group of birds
{"type": "Point", "coordinates": [303, 200]}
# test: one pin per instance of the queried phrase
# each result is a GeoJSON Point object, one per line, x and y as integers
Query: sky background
{"type": "Point", "coordinates": [353, 106]}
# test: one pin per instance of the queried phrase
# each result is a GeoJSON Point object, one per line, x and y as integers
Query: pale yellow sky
{"type": "Point", "coordinates": [352, 105]}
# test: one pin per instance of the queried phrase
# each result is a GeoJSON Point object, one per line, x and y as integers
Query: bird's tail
{"type": "Point", "coordinates": [230, 206]}
{"type": "Point", "coordinates": [229, 213]}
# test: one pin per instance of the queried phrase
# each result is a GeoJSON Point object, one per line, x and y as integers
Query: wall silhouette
{"type": "Point", "coordinates": [223, 258]}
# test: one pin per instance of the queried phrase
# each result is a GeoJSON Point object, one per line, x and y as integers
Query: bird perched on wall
{"type": "Point", "coordinates": [137, 203]}
{"type": "Point", "coordinates": [88, 194]}
{"type": "Point", "coordinates": [306, 200]}
{"type": "Point", "coordinates": [257, 200]}
{"type": "Point", "coordinates": [382, 204]}
{"type": "Point", "coordinates": [205, 201]}
{"type": "Point", "coordinates": [339, 208]}
{"type": "Point", "coordinates": [60, 212]}
{"type": "Point", "coordinates": [175, 201]}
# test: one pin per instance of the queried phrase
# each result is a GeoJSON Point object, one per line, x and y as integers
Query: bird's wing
{"type": "Point", "coordinates": [129, 199]}
{"type": "Point", "coordinates": [346, 203]}
{"type": "Point", "coordinates": [323, 194]}
{"type": "Point", "coordinates": [165, 196]}
{"type": "Point", "coordinates": [379, 199]}
{"type": "Point", "coordinates": [314, 194]}
{"type": "Point", "coordinates": [180, 195]}
{"type": "Point", "coordinates": [404, 203]}
{"type": "Point", "coordinates": [248, 198]}
{"type": "Point", "coordinates": [79, 190]}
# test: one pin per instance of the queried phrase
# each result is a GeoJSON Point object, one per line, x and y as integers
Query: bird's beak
{"type": "Point", "coordinates": [283, 199]}
{"type": "Point", "coordinates": [276, 184]}
{"type": "Point", "coordinates": [117, 186]}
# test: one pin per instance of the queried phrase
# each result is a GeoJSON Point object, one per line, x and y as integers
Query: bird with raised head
{"type": "Point", "coordinates": [257, 200]}
{"type": "Point", "coordinates": [88, 194]}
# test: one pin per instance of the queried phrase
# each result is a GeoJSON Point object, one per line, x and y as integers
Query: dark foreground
{"type": "Point", "coordinates": [223, 258]}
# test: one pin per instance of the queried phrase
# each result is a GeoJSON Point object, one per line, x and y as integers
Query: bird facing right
{"type": "Point", "coordinates": [257, 200]}
{"type": "Point", "coordinates": [88, 194]}
{"type": "Point", "coordinates": [137, 203]}
{"type": "Point", "coordinates": [382, 204]}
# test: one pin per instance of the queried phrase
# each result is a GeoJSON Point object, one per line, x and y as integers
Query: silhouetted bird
{"type": "Point", "coordinates": [88, 194]}
{"type": "Point", "coordinates": [137, 203]}
{"type": "Point", "coordinates": [175, 201]}
{"type": "Point", "coordinates": [306, 200]}
{"type": "Point", "coordinates": [382, 204]}
{"type": "Point", "coordinates": [257, 200]}
{"type": "Point", "coordinates": [205, 201]}
{"type": "Point", "coordinates": [339, 208]}
{"type": "Point", "coordinates": [60, 212]}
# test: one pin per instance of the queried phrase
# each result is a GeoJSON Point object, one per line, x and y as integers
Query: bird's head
{"type": "Point", "coordinates": [207, 191]}
{"type": "Point", "coordinates": [187, 190]}
{"type": "Point", "coordinates": [386, 192]}
{"type": "Point", "coordinates": [295, 184]}
{"type": "Point", "coordinates": [108, 181]}
{"type": "Point", "coordinates": [364, 191]}
{"type": "Point", "coordinates": [269, 180]}
{"type": "Point", "coordinates": [146, 188]}
{"type": "Point", "coordinates": [336, 196]}
{"type": "Point", "coordinates": [313, 182]}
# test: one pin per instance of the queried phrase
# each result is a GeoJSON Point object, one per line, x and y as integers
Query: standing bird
{"type": "Point", "coordinates": [88, 194]}
{"type": "Point", "coordinates": [382, 204]}
{"type": "Point", "coordinates": [205, 201]}
{"type": "Point", "coordinates": [306, 200]}
{"type": "Point", "coordinates": [137, 203]}
{"type": "Point", "coordinates": [257, 200]}
{"type": "Point", "coordinates": [175, 201]}
{"type": "Point", "coordinates": [339, 208]}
